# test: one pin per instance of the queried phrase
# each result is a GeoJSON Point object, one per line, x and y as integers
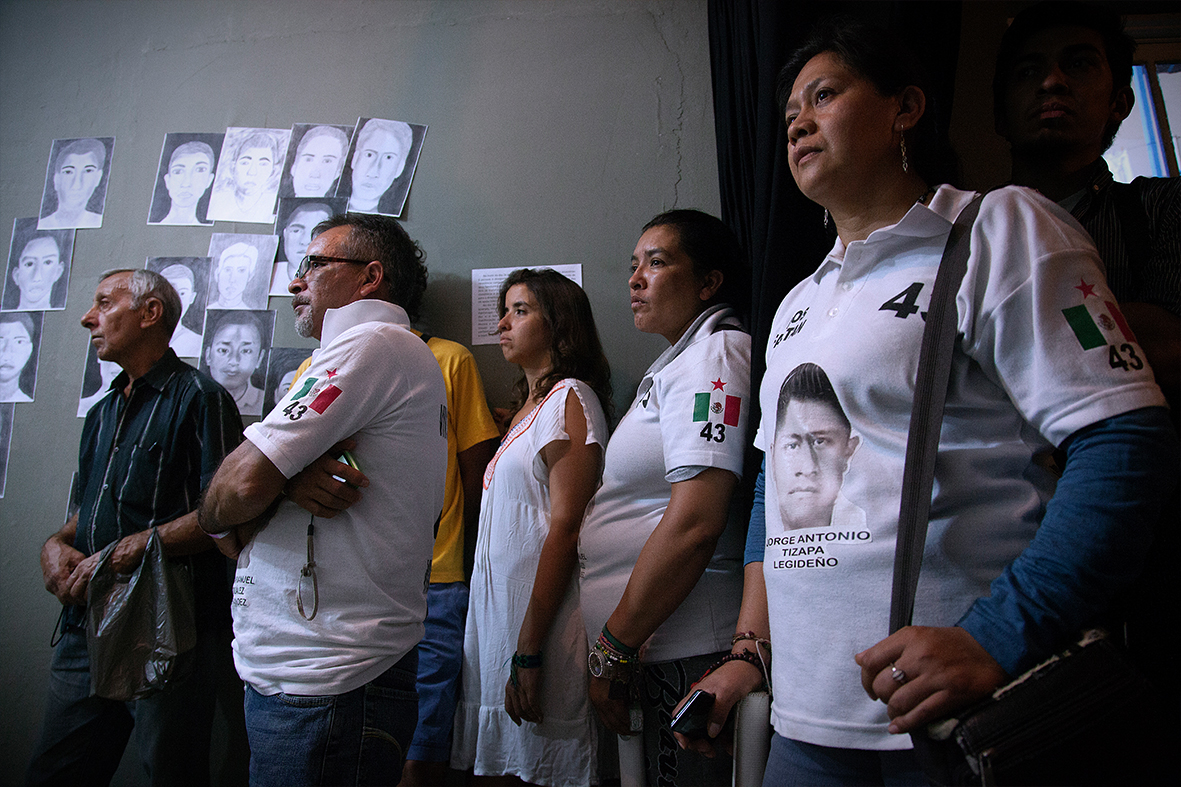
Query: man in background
{"type": "Point", "coordinates": [148, 450]}
{"type": "Point", "coordinates": [1061, 88]}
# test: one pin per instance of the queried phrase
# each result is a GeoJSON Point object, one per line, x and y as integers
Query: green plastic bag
{"type": "Point", "coordinates": [138, 624]}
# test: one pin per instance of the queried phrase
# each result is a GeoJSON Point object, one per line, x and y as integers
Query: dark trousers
{"type": "Point", "coordinates": [83, 737]}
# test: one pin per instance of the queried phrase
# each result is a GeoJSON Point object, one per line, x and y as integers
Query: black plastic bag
{"type": "Point", "coordinates": [137, 624]}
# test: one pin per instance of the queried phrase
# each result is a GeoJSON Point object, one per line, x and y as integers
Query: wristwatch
{"type": "Point", "coordinates": [607, 665]}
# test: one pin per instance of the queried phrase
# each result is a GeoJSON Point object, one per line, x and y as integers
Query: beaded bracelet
{"type": "Point", "coordinates": [750, 635]}
{"type": "Point", "coordinates": [527, 661]}
{"type": "Point", "coordinates": [742, 655]}
{"type": "Point", "coordinates": [611, 642]}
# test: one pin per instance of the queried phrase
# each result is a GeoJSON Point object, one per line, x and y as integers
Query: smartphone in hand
{"type": "Point", "coordinates": [692, 720]}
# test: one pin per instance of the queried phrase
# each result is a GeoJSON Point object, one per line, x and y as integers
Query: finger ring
{"type": "Point", "coordinates": [898, 675]}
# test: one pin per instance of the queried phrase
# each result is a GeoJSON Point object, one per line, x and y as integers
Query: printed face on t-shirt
{"type": "Point", "coordinates": [811, 453]}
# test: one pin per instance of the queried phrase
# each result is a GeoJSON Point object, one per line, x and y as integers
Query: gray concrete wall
{"type": "Point", "coordinates": [556, 130]}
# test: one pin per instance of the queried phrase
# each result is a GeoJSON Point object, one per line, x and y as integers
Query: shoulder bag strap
{"type": "Point", "coordinates": [926, 417]}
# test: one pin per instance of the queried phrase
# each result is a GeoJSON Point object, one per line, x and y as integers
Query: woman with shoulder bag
{"type": "Point", "coordinates": [1012, 569]}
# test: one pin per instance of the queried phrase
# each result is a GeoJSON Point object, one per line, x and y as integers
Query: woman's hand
{"type": "Point", "coordinates": [924, 674]}
{"type": "Point", "coordinates": [614, 713]}
{"type": "Point", "coordinates": [729, 683]}
{"type": "Point", "coordinates": [523, 701]}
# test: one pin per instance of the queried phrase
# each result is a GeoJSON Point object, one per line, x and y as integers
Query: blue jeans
{"type": "Point", "coordinates": [83, 737]}
{"type": "Point", "coordinates": [359, 737]}
{"type": "Point", "coordinates": [440, 655]}
{"type": "Point", "coordinates": [795, 762]}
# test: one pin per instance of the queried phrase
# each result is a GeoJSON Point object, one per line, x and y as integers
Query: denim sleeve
{"type": "Point", "coordinates": [1091, 543]}
{"type": "Point", "coordinates": [756, 532]}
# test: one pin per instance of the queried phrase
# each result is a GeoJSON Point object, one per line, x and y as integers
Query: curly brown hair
{"type": "Point", "coordinates": [575, 347]}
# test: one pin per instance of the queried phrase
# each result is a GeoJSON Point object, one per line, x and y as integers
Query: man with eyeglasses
{"type": "Point", "coordinates": [329, 601]}
{"type": "Point", "coordinates": [472, 438]}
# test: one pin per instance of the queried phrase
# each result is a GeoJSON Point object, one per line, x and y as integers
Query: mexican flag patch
{"type": "Point", "coordinates": [1097, 323]}
{"type": "Point", "coordinates": [708, 405]}
{"type": "Point", "coordinates": [321, 391]}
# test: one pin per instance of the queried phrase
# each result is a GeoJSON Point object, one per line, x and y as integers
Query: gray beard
{"type": "Point", "coordinates": [303, 324]}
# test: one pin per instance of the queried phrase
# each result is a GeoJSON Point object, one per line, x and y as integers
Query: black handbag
{"type": "Point", "coordinates": [1075, 718]}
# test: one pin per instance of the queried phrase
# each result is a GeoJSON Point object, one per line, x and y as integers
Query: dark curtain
{"type": "Point", "coordinates": [780, 229]}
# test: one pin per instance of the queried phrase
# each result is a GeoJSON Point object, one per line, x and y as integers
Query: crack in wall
{"type": "Point", "coordinates": [677, 129]}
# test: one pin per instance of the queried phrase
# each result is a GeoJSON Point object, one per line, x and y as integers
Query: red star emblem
{"type": "Point", "coordinates": [331, 373]}
{"type": "Point", "coordinates": [719, 385]}
{"type": "Point", "coordinates": [1086, 289]}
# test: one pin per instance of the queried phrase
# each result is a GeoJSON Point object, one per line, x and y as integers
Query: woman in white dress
{"type": "Point", "coordinates": [524, 712]}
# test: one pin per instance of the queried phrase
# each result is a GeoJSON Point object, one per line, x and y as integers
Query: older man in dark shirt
{"type": "Point", "coordinates": [148, 450]}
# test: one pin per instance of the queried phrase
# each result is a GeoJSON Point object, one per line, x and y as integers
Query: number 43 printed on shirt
{"type": "Point", "coordinates": [712, 407]}
{"type": "Point", "coordinates": [1094, 323]}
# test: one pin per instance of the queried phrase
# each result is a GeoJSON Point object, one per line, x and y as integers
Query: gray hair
{"type": "Point", "coordinates": [144, 284]}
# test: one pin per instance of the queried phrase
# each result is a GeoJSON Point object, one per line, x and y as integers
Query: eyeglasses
{"type": "Point", "coordinates": [307, 574]}
{"type": "Point", "coordinates": [313, 261]}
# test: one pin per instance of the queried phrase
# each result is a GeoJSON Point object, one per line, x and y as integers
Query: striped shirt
{"type": "Point", "coordinates": [145, 459]}
{"type": "Point", "coordinates": [1157, 279]}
